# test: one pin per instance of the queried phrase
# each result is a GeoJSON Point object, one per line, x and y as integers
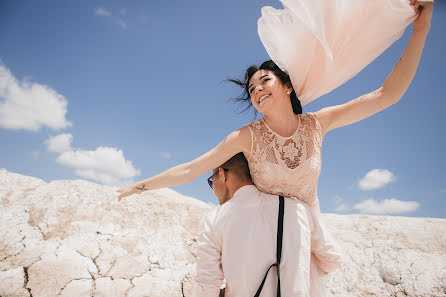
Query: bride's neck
{"type": "Point", "coordinates": [283, 122]}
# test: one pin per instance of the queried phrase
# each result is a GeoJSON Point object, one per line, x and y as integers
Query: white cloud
{"type": "Point", "coordinates": [122, 24]}
{"type": "Point", "coordinates": [60, 143]}
{"type": "Point", "coordinates": [105, 164]}
{"type": "Point", "coordinates": [342, 208]}
{"type": "Point", "coordinates": [102, 11]}
{"type": "Point", "coordinates": [35, 154]}
{"type": "Point", "coordinates": [376, 178]}
{"type": "Point", "coordinates": [386, 206]}
{"type": "Point", "coordinates": [165, 155]}
{"type": "Point", "coordinates": [29, 106]}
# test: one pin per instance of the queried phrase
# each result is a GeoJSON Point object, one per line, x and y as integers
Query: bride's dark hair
{"type": "Point", "coordinates": [283, 77]}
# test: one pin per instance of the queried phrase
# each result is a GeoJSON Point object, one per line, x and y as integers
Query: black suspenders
{"type": "Point", "coordinates": [278, 249]}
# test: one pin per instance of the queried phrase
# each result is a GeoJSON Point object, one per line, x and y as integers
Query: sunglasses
{"type": "Point", "coordinates": [210, 181]}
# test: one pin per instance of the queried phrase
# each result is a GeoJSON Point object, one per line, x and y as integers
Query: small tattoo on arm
{"type": "Point", "coordinates": [143, 188]}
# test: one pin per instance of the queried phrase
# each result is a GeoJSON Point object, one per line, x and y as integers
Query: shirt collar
{"type": "Point", "coordinates": [245, 190]}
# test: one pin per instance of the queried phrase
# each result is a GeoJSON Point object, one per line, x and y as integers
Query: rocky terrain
{"type": "Point", "coordinates": [72, 238]}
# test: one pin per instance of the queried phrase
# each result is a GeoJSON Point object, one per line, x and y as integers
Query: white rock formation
{"type": "Point", "coordinates": [72, 238]}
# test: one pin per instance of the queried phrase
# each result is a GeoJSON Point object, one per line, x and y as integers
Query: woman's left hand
{"type": "Point", "coordinates": [423, 21]}
{"type": "Point", "coordinates": [125, 192]}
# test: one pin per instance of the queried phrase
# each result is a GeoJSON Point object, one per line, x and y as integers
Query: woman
{"type": "Point", "coordinates": [283, 148]}
{"type": "Point", "coordinates": [289, 155]}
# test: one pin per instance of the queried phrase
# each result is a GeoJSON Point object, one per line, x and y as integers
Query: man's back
{"type": "Point", "coordinates": [238, 243]}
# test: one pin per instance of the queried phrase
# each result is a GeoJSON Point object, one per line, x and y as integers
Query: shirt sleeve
{"type": "Point", "coordinates": [209, 274]}
{"type": "Point", "coordinates": [323, 246]}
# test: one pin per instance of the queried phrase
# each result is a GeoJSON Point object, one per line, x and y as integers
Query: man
{"type": "Point", "coordinates": [238, 240]}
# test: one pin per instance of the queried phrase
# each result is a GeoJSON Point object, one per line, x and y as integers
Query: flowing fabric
{"type": "Point", "coordinates": [323, 43]}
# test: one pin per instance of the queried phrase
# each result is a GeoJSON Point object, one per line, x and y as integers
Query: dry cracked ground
{"type": "Point", "coordinates": [72, 238]}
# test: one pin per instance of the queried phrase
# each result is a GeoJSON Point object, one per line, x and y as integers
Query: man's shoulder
{"type": "Point", "coordinates": [219, 212]}
{"type": "Point", "coordinates": [249, 191]}
{"type": "Point", "coordinates": [212, 214]}
{"type": "Point", "coordinates": [249, 197]}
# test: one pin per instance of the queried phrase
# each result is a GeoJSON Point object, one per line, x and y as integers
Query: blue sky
{"type": "Point", "coordinates": [117, 91]}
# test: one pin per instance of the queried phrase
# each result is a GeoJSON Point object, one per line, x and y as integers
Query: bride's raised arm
{"type": "Point", "coordinates": [237, 141]}
{"type": "Point", "coordinates": [393, 88]}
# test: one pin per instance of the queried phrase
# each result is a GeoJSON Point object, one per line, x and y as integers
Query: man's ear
{"type": "Point", "coordinates": [223, 174]}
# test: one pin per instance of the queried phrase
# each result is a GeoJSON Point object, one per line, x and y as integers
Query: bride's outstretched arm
{"type": "Point", "coordinates": [234, 143]}
{"type": "Point", "coordinates": [393, 88]}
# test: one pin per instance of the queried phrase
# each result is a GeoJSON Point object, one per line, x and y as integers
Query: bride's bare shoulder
{"type": "Point", "coordinates": [243, 137]}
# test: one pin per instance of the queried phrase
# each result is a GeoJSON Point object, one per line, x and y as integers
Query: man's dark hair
{"type": "Point", "coordinates": [238, 165]}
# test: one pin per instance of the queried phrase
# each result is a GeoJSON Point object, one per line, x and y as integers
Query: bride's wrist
{"type": "Point", "coordinates": [141, 188]}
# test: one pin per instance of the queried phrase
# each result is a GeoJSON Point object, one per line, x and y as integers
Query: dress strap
{"type": "Point", "coordinates": [278, 249]}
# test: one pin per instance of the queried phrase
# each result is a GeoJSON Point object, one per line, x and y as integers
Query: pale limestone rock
{"type": "Point", "coordinates": [12, 283]}
{"type": "Point", "coordinates": [72, 238]}
{"type": "Point", "coordinates": [152, 286]}
{"type": "Point", "coordinates": [50, 275]}
{"type": "Point", "coordinates": [106, 287]}
{"type": "Point", "coordinates": [78, 288]}
{"type": "Point", "coordinates": [388, 256]}
{"type": "Point", "coordinates": [128, 266]}
{"type": "Point", "coordinates": [86, 245]}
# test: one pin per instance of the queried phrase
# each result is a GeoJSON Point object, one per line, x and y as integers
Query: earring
{"type": "Point", "coordinates": [288, 92]}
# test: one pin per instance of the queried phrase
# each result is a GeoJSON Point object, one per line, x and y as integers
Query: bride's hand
{"type": "Point", "coordinates": [423, 21]}
{"type": "Point", "coordinates": [127, 192]}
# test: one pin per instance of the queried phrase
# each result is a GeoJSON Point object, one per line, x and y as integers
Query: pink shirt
{"type": "Point", "coordinates": [238, 243]}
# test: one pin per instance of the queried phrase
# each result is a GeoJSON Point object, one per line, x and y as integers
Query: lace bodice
{"type": "Point", "coordinates": [288, 166]}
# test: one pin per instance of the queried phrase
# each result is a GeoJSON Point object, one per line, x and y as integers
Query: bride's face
{"type": "Point", "coordinates": [266, 90]}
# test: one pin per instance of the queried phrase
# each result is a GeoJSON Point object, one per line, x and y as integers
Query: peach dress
{"type": "Point", "coordinates": [288, 166]}
{"type": "Point", "coordinates": [323, 43]}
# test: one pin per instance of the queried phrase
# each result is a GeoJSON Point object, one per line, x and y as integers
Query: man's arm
{"type": "Point", "coordinates": [209, 273]}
